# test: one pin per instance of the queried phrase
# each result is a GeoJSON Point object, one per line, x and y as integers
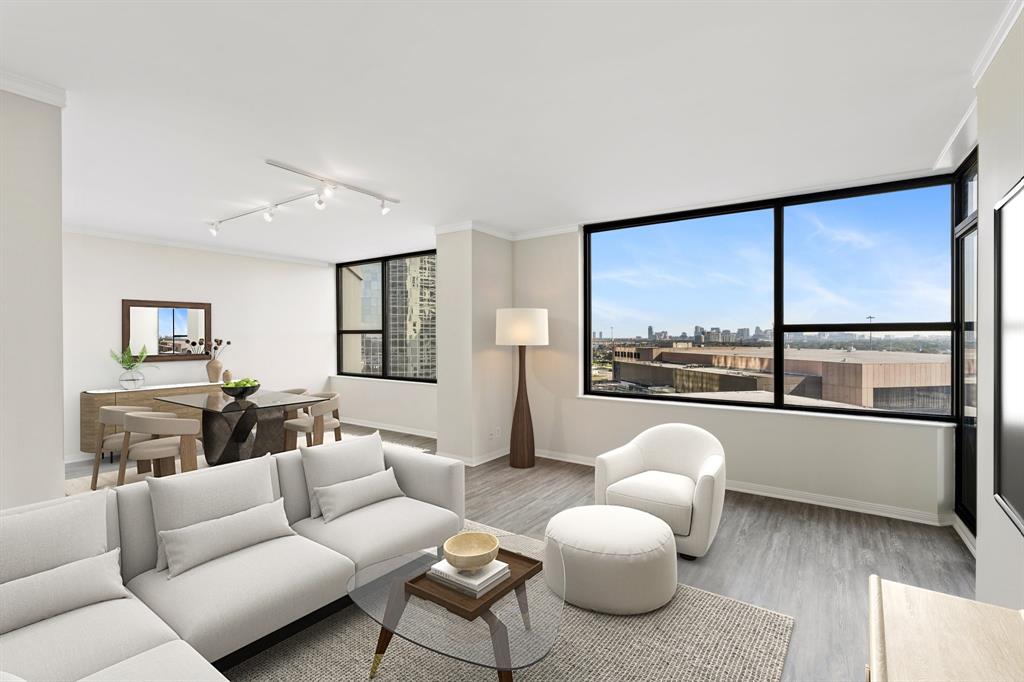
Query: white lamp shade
{"type": "Point", "coordinates": [521, 327]}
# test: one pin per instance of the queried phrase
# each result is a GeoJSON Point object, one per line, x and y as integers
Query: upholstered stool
{"type": "Point", "coordinates": [615, 559]}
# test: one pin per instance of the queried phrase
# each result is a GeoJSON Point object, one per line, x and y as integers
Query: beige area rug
{"type": "Point", "coordinates": [697, 636]}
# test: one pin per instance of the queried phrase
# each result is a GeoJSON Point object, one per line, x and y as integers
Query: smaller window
{"type": "Point", "coordinates": [387, 314]}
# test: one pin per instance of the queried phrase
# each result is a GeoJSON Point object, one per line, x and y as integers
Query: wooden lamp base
{"type": "Point", "coordinates": [521, 453]}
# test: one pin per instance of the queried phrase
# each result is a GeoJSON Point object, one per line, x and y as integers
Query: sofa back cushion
{"type": "Point", "coordinates": [41, 537]}
{"type": "Point", "coordinates": [292, 478]}
{"type": "Point", "coordinates": [193, 545]}
{"type": "Point", "coordinates": [180, 501]}
{"type": "Point", "coordinates": [58, 590]}
{"type": "Point", "coordinates": [336, 462]}
{"type": "Point", "coordinates": [341, 498]}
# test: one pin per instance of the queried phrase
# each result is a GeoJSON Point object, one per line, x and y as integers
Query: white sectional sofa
{"type": "Point", "coordinates": [174, 628]}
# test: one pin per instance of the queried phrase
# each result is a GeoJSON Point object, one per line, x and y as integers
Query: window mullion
{"type": "Point", "coordinates": [778, 331]}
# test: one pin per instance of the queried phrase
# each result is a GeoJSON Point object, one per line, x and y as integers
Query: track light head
{"type": "Point", "coordinates": [326, 190]}
{"type": "Point", "coordinates": [268, 215]}
{"type": "Point", "coordinates": [320, 203]}
{"type": "Point", "coordinates": [384, 208]}
{"type": "Point", "coordinates": [215, 228]}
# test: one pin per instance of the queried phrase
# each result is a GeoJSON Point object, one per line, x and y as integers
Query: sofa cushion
{"type": "Point", "coordinates": [180, 501]}
{"type": "Point", "coordinates": [336, 462]}
{"type": "Point", "coordinates": [171, 662]}
{"type": "Point", "coordinates": [50, 593]}
{"type": "Point", "coordinates": [383, 530]}
{"type": "Point", "coordinates": [224, 604]}
{"type": "Point", "coordinates": [667, 496]}
{"type": "Point", "coordinates": [45, 537]}
{"type": "Point", "coordinates": [193, 545]}
{"type": "Point", "coordinates": [341, 498]}
{"type": "Point", "coordinates": [80, 642]}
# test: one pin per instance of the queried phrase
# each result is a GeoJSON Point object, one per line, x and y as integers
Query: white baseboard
{"type": "Point", "coordinates": [78, 457]}
{"type": "Point", "coordinates": [965, 534]}
{"type": "Point", "coordinates": [861, 506]}
{"type": "Point", "coordinates": [566, 457]}
{"type": "Point", "coordinates": [478, 459]}
{"type": "Point", "coordinates": [390, 427]}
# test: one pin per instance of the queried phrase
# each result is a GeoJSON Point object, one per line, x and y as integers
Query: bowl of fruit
{"type": "Point", "coordinates": [240, 389]}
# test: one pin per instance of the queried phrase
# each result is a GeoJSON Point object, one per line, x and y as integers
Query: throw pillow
{"type": "Point", "coordinates": [180, 501]}
{"type": "Point", "coordinates": [336, 462]}
{"type": "Point", "coordinates": [193, 545]}
{"type": "Point", "coordinates": [59, 590]}
{"type": "Point", "coordinates": [341, 498]}
{"type": "Point", "coordinates": [48, 536]}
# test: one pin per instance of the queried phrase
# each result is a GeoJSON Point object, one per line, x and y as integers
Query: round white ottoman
{"type": "Point", "coordinates": [610, 559]}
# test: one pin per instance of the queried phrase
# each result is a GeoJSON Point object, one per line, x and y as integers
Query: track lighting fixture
{"type": "Point", "coordinates": [327, 188]}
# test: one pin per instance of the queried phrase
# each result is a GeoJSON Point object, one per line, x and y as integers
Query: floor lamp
{"type": "Point", "coordinates": [521, 327]}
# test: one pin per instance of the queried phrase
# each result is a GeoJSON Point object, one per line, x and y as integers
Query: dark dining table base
{"type": "Point", "coordinates": [228, 435]}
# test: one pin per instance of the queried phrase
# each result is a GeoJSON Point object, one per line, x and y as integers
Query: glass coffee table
{"type": "Point", "coordinates": [512, 626]}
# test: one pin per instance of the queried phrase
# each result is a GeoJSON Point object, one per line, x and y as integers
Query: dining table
{"type": "Point", "coordinates": [236, 429]}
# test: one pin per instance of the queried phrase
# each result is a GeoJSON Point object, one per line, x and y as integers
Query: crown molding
{"type": "Point", "coordinates": [995, 41]}
{"type": "Point", "coordinates": [962, 141]}
{"type": "Point", "coordinates": [26, 87]}
{"type": "Point", "coordinates": [476, 226]}
{"type": "Point", "coordinates": [548, 232]}
{"type": "Point", "coordinates": [192, 246]}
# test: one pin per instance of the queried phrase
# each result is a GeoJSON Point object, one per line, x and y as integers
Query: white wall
{"type": "Point", "coordinates": [404, 406]}
{"type": "Point", "coordinates": [475, 385]}
{"type": "Point", "coordinates": [279, 316]}
{"type": "Point", "coordinates": [31, 467]}
{"type": "Point", "coordinates": [891, 467]}
{"type": "Point", "coordinates": [1000, 546]}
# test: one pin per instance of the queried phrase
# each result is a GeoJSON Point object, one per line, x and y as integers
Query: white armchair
{"type": "Point", "coordinates": [673, 471]}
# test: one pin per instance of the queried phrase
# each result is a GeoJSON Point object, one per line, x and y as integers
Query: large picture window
{"type": "Point", "coordinates": [387, 317]}
{"type": "Point", "coordinates": [836, 301]}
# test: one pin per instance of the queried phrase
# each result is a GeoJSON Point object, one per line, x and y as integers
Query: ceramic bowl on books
{"type": "Point", "coordinates": [470, 551]}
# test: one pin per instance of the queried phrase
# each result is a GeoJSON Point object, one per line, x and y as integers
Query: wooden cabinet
{"type": "Point", "coordinates": [90, 403]}
{"type": "Point", "coordinates": [917, 634]}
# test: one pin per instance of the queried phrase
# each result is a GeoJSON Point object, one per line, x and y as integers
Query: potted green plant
{"type": "Point", "coordinates": [129, 362]}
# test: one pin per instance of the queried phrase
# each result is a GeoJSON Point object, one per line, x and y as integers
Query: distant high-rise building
{"type": "Point", "coordinates": [650, 332]}
{"type": "Point", "coordinates": [743, 333]}
{"type": "Point", "coordinates": [698, 330]}
{"type": "Point", "coordinates": [412, 317]}
{"type": "Point", "coordinates": [600, 335]}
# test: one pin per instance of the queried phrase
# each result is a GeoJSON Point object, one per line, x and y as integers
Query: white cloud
{"type": "Point", "coordinates": [643, 277]}
{"type": "Point", "coordinates": [846, 236]}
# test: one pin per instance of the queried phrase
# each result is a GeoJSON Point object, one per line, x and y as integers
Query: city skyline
{"type": "Point", "coordinates": [884, 255]}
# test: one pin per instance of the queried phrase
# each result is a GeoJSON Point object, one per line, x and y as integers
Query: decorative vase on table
{"type": "Point", "coordinates": [213, 370]}
{"type": "Point", "coordinates": [226, 376]}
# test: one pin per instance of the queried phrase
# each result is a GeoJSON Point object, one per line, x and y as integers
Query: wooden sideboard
{"type": "Point", "coordinates": [917, 634]}
{"type": "Point", "coordinates": [91, 401]}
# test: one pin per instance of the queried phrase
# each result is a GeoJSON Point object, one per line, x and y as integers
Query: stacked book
{"type": "Point", "coordinates": [474, 584]}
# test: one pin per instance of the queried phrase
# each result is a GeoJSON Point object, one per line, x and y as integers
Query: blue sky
{"type": "Point", "coordinates": [886, 255]}
{"type": "Point", "coordinates": [172, 321]}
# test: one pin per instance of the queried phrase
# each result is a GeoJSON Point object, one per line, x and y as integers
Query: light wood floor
{"type": "Point", "coordinates": [809, 562]}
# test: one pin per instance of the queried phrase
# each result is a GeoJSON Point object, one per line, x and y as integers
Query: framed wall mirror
{"type": "Point", "coordinates": [170, 330]}
{"type": "Point", "coordinates": [1009, 431]}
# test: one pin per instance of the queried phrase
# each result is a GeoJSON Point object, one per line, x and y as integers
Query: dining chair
{"type": "Point", "coordinates": [318, 418]}
{"type": "Point", "coordinates": [169, 436]}
{"type": "Point", "coordinates": [112, 416]}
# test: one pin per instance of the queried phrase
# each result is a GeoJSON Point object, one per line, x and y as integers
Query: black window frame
{"type": "Point", "coordinates": [384, 262]}
{"type": "Point", "coordinates": [779, 328]}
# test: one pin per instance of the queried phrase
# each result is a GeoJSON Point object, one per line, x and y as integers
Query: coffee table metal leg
{"type": "Point", "coordinates": [524, 606]}
{"type": "Point", "coordinates": [397, 599]}
{"type": "Point", "coordinates": [499, 640]}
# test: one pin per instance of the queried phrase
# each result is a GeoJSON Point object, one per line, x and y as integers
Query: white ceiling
{"type": "Point", "coordinates": [524, 116]}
